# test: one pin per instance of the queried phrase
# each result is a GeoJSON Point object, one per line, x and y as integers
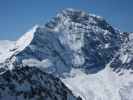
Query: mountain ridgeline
{"type": "Point", "coordinates": [88, 41]}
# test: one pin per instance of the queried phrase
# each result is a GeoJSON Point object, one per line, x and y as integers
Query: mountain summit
{"type": "Point", "coordinates": [81, 37]}
{"type": "Point", "coordinates": [91, 57]}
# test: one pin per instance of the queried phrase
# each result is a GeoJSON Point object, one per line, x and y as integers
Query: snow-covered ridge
{"type": "Point", "coordinates": [9, 48]}
{"type": "Point", "coordinates": [26, 39]}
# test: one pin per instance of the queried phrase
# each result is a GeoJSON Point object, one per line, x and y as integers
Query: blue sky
{"type": "Point", "coordinates": [18, 16]}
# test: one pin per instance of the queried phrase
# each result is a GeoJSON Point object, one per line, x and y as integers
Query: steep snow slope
{"type": "Point", "coordinates": [26, 39]}
{"type": "Point", "coordinates": [84, 51]}
{"type": "Point", "coordinates": [104, 85]}
{"type": "Point", "coordinates": [9, 48]}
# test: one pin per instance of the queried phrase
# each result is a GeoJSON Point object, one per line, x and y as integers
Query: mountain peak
{"type": "Point", "coordinates": [70, 12]}
{"type": "Point", "coordinates": [81, 37]}
{"type": "Point", "coordinates": [69, 17]}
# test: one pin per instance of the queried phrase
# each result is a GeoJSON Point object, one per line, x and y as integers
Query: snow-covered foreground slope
{"type": "Point", "coordinates": [104, 85]}
{"type": "Point", "coordinates": [93, 59]}
{"type": "Point", "coordinates": [5, 47]}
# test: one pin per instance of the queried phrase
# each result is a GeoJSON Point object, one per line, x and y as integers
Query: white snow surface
{"type": "Point", "coordinates": [104, 85]}
{"type": "Point", "coordinates": [34, 62]}
{"type": "Point", "coordinates": [26, 39]}
{"type": "Point", "coordinates": [5, 47]}
{"type": "Point", "coordinates": [8, 48]}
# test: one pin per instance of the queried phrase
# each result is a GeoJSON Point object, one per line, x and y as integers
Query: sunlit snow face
{"type": "Point", "coordinates": [75, 42]}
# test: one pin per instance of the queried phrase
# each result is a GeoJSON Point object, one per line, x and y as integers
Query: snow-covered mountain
{"type": "Point", "coordinates": [93, 59]}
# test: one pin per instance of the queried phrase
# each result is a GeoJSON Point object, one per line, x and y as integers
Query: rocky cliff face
{"type": "Point", "coordinates": [124, 58]}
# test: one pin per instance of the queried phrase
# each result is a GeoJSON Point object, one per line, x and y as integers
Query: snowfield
{"type": "Point", "coordinates": [105, 85]}
{"type": "Point", "coordinates": [5, 47]}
